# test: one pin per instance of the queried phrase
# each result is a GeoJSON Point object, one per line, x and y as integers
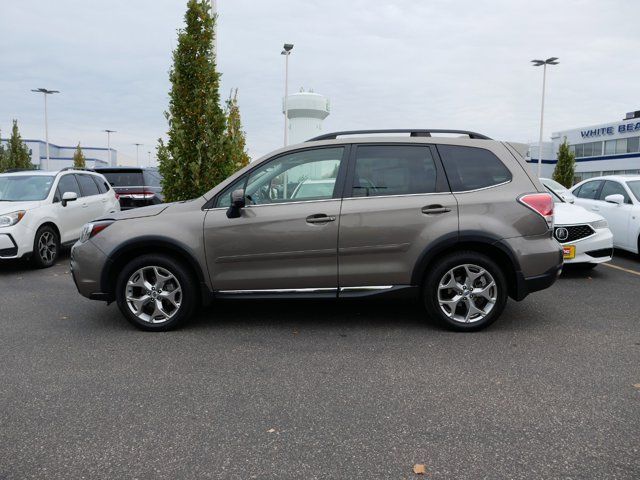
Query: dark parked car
{"type": "Point", "coordinates": [134, 186]}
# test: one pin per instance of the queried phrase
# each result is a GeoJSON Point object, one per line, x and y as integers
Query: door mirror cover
{"type": "Point", "coordinates": [567, 197]}
{"type": "Point", "coordinates": [237, 203]}
{"type": "Point", "coordinates": [69, 197]}
{"type": "Point", "coordinates": [615, 198]}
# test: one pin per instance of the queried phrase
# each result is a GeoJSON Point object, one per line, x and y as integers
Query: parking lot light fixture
{"type": "Point", "coordinates": [45, 92]}
{"type": "Point", "coordinates": [286, 51]}
{"type": "Point", "coordinates": [137, 152]}
{"type": "Point", "coordinates": [543, 63]}
{"type": "Point", "coordinates": [109, 132]}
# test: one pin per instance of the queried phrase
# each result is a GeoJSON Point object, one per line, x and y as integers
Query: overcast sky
{"type": "Point", "coordinates": [395, 64]}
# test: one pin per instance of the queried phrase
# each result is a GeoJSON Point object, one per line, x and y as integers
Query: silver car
{"type": "Point", "coordinates": [457, 222]}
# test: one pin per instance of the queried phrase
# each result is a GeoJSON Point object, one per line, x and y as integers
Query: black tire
{"type": "Point", "coordinates": [46, 247]}
{"type": "Point", "coordinates": [431, 290]}
{"type": "Point", "coordinates": [188, 298]}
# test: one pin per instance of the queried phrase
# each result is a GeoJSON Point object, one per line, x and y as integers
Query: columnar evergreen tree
{"type": "Point", "coordinates": [17, 152]}
{"type": "Point", "coordinates": [193, 160]}
{"type": "Point", "coordinates": [79, 160]}
{"type": "Point", "coordinates": [566, 166]}
{"type": "Point", "coordinates": [235, 141]}
{"type": "Point", "coordinates": [3, 155]}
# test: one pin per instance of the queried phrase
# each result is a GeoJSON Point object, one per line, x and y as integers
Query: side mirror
{"type": "Point", "coordinates": [567, 197]}
{"type": "Point", "coordinates": [615, 198]}
{"type": "Point", "coordinates": [69, 197]}
{"type": "Point", "coordinates": [237, 203]}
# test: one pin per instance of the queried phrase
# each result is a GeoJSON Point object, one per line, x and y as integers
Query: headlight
{"type": "Point", "coordinates": [90, 230]}
{"type": "Point", "coordinates": [9, 219]}
{"type": "Point", "coordinates": [600, 224]}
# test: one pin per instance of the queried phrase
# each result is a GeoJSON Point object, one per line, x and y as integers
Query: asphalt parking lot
{"type": "Point", "coordinates": [321, 389]}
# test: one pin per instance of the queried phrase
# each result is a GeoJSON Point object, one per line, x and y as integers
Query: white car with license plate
{"type": "Point", "coordinates": [585, 236]}
{"type": "Point", "coordinates": [617, 199]}
{"type": "Point", "coordinates": [42, 211]}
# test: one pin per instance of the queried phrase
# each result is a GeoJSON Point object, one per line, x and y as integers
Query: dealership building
{"type": "Point", "coordinates": [611, 148]}
{"type": "Point", "coordinates": [62, 156]}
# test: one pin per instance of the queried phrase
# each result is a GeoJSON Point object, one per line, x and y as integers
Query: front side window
{"type": "Point", "coordinates": [66, 184]}
{"type": "Point", "coordinates": [24, 188]}
{"type": "Point", "coordinates": [87, 186]}
{"type": "Point", "coordinates": [224, 199]}
{"type": "Point", "coordinates": [614, 188]}
{"type": "Point", "coordinates": [393, 170]}
{"type": "Point", "coordinates": [589, 190]}
{"type": "Point", "coordinates": [297, 176]}
{"type": "Point", "coordinates": [471, 168]}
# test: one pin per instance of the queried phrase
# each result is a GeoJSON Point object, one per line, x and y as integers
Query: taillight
{"type": "Point", "coordinates": [90, 230]}
{"type": "Point", "coordinates": [541, 203]}
{"type": "Point", "coordinates": [141, 195]}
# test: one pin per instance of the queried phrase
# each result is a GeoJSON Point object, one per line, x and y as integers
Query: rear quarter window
{"type": "Point", "coordinates": [471, 168]}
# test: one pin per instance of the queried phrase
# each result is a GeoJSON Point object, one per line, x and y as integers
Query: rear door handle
{"type": "Point", "coordinates": [85, 205]}
{"type": "Point", "coordinates": [595, 209]}
{"type": "Point", "coordinates": [320, 218]}
{"type": "Point", "coordinates": [434, 209]}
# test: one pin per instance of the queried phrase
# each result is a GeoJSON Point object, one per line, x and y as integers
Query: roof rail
{"type": "Point", "coordinates": [414, 132]}
{"type": "Point", "coordinates": [74, 168]}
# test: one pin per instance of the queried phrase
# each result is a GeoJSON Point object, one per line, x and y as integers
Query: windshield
{"type": "Point", "coordinates": [635, 188]}
{"type": "Point", "coordinates": [556, 198]}
{"type": "Point", "coordinates": [25, 188]}
{"type": "Point", "coordinates": [553, 184]}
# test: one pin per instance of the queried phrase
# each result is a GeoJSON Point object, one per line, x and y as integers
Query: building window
{"type": "Point", "coordinates": [610, 147]}
{"type": "Point", "coordinates": [621, 145]}
{"type": "Point", "coordinates": [633, 144]}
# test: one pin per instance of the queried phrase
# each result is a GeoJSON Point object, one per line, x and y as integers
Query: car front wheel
{"type": "Point", "coordinates": [156, 293]}
{"type": "Point", "coordinates": [46, 246]}
{"type": "Point", "coordinates": [465, 291]}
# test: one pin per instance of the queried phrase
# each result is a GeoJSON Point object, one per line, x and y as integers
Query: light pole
{"type": "Point", "coordinates": [286, 51]}
{"type": "Point", "coordinates": [137, 148]}
{"type": "Point", "coordinates": [45, 92]}
{"type": "Point", "coordinates": [543, 63]}
{"type": "Point", "coordinates": [109, 132]}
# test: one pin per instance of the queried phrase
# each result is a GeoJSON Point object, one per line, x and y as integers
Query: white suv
{"type": "Point", "coordinates": [42, 211]}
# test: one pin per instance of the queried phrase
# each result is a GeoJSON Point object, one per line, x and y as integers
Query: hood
{"type": "Point", "coordinates": [8, 207]}
{"type": "Point", "coordinates": [568, 214]}
{"type": "Point", "coordinates": [150, 211]}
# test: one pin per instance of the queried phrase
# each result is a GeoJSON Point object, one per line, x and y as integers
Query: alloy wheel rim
{"type": "Point", "coordinates": [153, 294]}
{"type": "Point", "coordinates": [467, 293]}
{"type": "Point", "coordinates": [47, 247]}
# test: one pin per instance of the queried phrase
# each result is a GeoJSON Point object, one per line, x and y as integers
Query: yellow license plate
{"type": "Point", "coordinates": [568, 252]}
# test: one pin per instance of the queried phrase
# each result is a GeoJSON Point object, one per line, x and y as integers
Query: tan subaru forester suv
{"type": "Point", "coordinates": [457, 221]}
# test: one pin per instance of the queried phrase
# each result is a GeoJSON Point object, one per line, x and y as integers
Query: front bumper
{"type": "Point", "coordinates": [597, 248]}
{"type": "Point", "coordinates": [86, 264]}
{"type": "Point", "coordinates": [16, 241]}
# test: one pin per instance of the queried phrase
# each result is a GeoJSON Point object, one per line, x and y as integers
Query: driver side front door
{"type": "Point", "coordinates": [286, 238]}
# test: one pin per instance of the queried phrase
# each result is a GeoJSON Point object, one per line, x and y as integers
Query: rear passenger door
{"type": "Point", "coordinates": [91, 200]}
{"type": "Point", "coordinates": [396, 203]}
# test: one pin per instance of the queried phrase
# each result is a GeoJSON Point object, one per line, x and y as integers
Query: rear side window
{"type": "Point", "coordinates": [151, 178]}
{"type": "Point", "coordinates": [66, 184]}
{"type": "Point", "coordinates": [103, 186]}
{"type": "Point", "coordinates": [614, 188]}
{"type": "Point", "coordinates": [124, 178]}
{"type": "Point", "coordinates": [471, 168]}
{"type": "Point", "coordinates": [87, 186]}
{"type": "Point", "coordinates": [393, 170]}
{"type": "Point", "coordinates": [589, 190]}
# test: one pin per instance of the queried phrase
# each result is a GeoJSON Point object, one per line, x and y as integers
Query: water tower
{"type": "Point", "coordinates": [306, 111]}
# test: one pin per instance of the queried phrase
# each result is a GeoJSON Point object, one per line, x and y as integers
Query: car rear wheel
{"type": "Point", "coordinates": [465, 291]}
{"type": "Point", "coordinates": [156, 293]}
{"type": "Point", "coordinates": [46, 247]}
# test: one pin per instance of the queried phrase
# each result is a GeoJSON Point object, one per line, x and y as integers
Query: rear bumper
{"type": "Point", "coordinates": [86, 265]}
{"type": "Point", "coordinates": [538, 282]}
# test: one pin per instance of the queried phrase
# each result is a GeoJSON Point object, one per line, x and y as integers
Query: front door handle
{"type": "Point", "coordinates": [320, 218]}
{"type": "Point", "coordinates": [434, 209]}
{"type": "Point", "coordinates": [595, 209]}
{"type": "Point", "coordinates": [85, 205]}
